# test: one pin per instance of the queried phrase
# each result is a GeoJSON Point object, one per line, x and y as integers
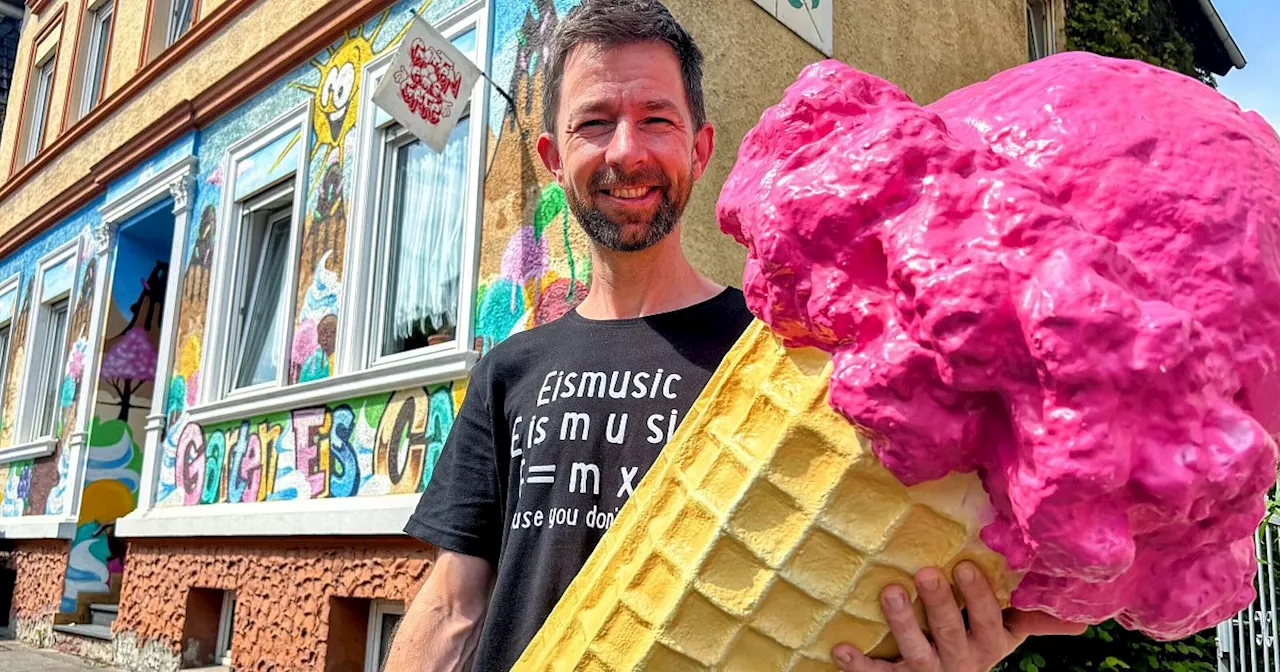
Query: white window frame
{"type": "Point", "coordinates": [365, 311]}
{"type": "Point", "coordinates": [31, 442]}
{"type": "Point", "coordinates": [271, 201]}
{"type": "Point", "coordinates": [226, 628]}
{"type": "Point", "coordinates": [41, 103]}
{"type": "Point", "coordinates": [99, 24]}
{"type": "Point", "coordinates": [175, 29]}
{"type": "Point", "coordinates": [378, 609]}
{"type": "Point", "coordinates": [222, 334]}
{"type": "Point", "coordinates": [11, 284]}
{"type": "Point", "coordinates": [1050, 28]}
{"type": "Point", "coordinates": [353, 376]}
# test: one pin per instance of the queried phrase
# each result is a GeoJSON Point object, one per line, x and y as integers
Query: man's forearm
{"type": "Point", "coordinates": [442, 625]}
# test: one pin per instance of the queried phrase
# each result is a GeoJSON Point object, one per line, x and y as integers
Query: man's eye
{"type": "Point", "coordinates": [597, 123]}
{"type": "Point", "coordinates": [657, 120]}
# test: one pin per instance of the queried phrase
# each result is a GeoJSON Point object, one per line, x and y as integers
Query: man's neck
{"type": "Point", "coordinates": [635, 284]}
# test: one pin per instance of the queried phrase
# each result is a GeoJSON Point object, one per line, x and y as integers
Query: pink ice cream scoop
{"type": "Point", "coordinates": [1066, 278]}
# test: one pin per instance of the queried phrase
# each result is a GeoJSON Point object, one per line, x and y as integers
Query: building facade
{"type": "Point", "coordinates": [239, 304]}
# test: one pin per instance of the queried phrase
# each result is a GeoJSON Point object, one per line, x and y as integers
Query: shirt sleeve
{"type": "Point", "coordinates": [461, 508]}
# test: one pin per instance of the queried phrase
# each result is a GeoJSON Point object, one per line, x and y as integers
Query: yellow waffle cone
{"type": "Point", "coordinates": [761, 537]}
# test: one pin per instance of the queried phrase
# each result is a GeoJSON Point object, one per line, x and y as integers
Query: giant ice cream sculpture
{"type": "Point", "coordinates": [1060, 286]}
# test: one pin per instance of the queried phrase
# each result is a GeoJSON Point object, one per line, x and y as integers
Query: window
{"type": "Point", "coordinates": [384, 618]}
{"type": "Point", "coordinates": [41, 98]}
{"type": "Point", "coordinates": [420, 227]}
{"type": "Point", "coordinates": [422, 214]}
{"type": "Point", "coordinates": [95, 64]}
{"type": "Point", "coordinates": [266, 230]}
{"type": "Point", "coordinates": [55, 341]}
{"type": "Point", "coordinates": [40, 403]}
{"type": "Point", "coordinates": [181, 14]}
{"type": "Point", "coordinates": [1040, 29]}
{"type": "Point", "coordinates": [226, 626]}
{"type": "Point", "coordinates": [8, 300]}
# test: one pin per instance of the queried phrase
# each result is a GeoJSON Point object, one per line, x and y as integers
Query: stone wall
{"type": "Point", "coordinates": [284, 591]}
{"type": "Point", "coordinates": [40, 567]}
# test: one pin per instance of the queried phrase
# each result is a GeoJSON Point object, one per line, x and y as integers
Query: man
{"type": "Point", "coordinates": [559, 423]}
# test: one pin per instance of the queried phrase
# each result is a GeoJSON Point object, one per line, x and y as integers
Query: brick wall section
{"type": "Point", "coordinates": [283, 590]}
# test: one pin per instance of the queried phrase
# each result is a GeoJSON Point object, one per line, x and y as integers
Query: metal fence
{"type": "Point", "coordinates": [1249, 641]}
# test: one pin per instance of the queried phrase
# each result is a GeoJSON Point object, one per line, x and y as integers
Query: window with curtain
{"type": "Point", "coordinates": [180, 17]}
{"type": "Point", "coordinates": [421, 230]}
{"type": "Point", "coordinates": [51, 352]}
{"type": "Point", "coordinates": [96, 56]}
{"type": "Point", "coordinates": [41, 97]}
{"type": "Point", "coordinates": [263, 303]}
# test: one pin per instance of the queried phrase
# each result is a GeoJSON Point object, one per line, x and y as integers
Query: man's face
{"type": "Point", "coordinates": [624, 148]}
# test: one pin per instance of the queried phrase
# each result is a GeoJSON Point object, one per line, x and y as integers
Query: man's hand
{"type": "Point", "coordinates": [989, 640]}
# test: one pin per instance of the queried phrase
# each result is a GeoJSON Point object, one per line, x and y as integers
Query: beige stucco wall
{"type": "Point", "coordinates": [928, 47]}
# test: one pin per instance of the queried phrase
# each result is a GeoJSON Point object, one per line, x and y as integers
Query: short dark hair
{"type": "Point", "coordinates": [614, 23]}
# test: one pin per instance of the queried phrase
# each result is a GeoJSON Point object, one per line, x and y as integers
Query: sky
{"type": "Point", "coordinates": [1255, 25]}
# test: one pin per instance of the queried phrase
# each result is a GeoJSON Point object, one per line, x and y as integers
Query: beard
{"type": "Point", "coordinates": [608, 231]}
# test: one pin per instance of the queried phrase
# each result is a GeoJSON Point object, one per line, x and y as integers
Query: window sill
{"type": "Point", "coordinates": [29, 450]}
{"type": "Point", "coordinates": [358, 516]}
{"type": "Point", "coordinates": [37, 527]}
{"type": "Point", "coordinates": [438, 368]}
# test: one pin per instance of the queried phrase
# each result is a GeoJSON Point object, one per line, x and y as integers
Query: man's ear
{"type": "Point", "coordinates": [550, 153]}
{"type": "Point", "coordinates": [704, 143]}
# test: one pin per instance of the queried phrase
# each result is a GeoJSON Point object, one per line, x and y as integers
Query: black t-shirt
{"type": "Point", "coordinates": [558, 425]}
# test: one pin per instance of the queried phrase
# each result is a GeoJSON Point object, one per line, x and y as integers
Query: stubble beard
{"type": "Point", "coordinates": [607, 231]}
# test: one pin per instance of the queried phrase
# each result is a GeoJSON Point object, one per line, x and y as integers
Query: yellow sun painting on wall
{"type": "Point", "coordinates": [336, 104]}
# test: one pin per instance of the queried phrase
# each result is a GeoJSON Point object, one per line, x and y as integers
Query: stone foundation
{"type": "Point", "coordinates": [287, 594]}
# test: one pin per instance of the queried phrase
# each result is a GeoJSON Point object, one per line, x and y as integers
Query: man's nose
{"type": "Point", "coordinates": [626, 147]}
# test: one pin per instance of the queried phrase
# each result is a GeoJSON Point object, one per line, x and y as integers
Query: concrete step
{"type": "Point", "coordinates": [85, 630]}
{"type": "Point", "coordinates": [103, 614]}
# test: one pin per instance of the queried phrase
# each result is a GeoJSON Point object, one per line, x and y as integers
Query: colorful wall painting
{"type": "Point", "coordinates": [377, 445]}
{"type": "Point", "coordinates": [36, 486]}
{"type": "Point", "coordinates": [535, 267]}
{"type": "Point", "coordinates": [110, 491]}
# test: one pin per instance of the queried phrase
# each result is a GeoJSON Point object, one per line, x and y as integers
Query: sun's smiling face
{"type": "Point", "coordinates": [337, 102]}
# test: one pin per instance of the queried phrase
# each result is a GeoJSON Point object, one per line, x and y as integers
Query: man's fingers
{"type": "Point", "coordinates": [1023, 624]}
{"type": "Point", "coordinates": [850, 659]}
{"type": "Point", "coordinates": [986, 622]}
{"type": "Point", "coordinates": [945, 622]}
{"type": "Point", "coordinates": [917, 652]}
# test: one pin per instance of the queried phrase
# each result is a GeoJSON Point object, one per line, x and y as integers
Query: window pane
{"type": "Point", "coordinates": [424, 253]}
{"type": "Point", "coordinates": [4, 364]}
{"type": "Point", "coordinates": [264, 302]}
{"type": "Point", "coordinates": [53, 351]}
{"type": "Point", "coordinates": [179, 19]}
{"type": "Point", "coordinates": [40, 109]}
{"type": "Point", "coordinates": [385, 633]}
{"type": "Point", "coordinates": [98, 41]}
{"type": "Point", "coordinates": [1037, 29]}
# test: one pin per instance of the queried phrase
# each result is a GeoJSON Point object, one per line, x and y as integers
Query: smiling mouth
{"type": "Point", "coordinates": [629, 193]}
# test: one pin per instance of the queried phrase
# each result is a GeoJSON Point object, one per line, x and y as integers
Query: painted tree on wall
{"type": "Point", "coordinates": [129, 363]}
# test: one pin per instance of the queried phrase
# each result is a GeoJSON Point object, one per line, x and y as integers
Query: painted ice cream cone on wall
{"type": "Point", "coordinates": [1040, 316]}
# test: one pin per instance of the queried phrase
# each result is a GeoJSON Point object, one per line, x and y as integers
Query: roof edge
{"type": "Point", "coordinates": [1224, 35]}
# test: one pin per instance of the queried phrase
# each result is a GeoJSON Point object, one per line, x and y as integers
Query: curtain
{"type": "Point", "coordinates": [261, 328]}
{"type": "Point", "coordinates": [426, 242]}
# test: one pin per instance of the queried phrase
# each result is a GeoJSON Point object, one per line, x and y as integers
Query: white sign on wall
{"type": "Point", "coordinates": [810, 19]}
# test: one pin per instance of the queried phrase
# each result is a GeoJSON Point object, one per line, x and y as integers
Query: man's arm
{"type": "Point", "coordinates": [440, 629]}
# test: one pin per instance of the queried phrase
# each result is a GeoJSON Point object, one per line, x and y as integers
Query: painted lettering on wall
{"type": "Point", "coordinates": [386, 444]}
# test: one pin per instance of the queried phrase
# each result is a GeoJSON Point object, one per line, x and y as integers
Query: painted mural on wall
{"type": "Point", "coordinates": [534, 268]}
{"type": "Point", "coordinates": [114, 463]}
{"type": "Point", "coordinates": [534, 260]}
{"type": "Point", "coordinates": [38, 486]}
